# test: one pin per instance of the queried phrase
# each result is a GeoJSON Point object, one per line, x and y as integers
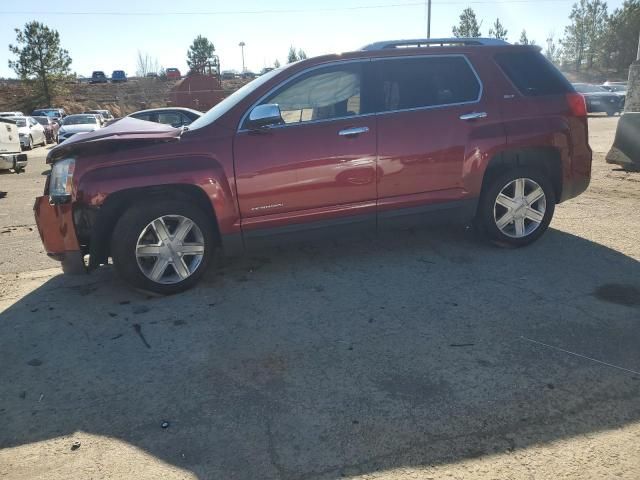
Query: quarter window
{"type": "Point", "coordinates": [424, 82]}
{"type": "Point", "coordinates": [323, 94]}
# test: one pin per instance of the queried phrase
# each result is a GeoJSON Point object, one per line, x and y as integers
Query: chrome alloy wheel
{"type": "Point", "coordinates": [170, 249]}
{"type": "Point", "coordinates": [519, 208]}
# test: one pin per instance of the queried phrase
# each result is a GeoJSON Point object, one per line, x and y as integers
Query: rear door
{"type": "Point", "coordinates": [428, 107]}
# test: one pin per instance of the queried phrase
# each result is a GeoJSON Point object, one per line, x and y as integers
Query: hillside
{"type": "Point", "coordinates": [120, 98]}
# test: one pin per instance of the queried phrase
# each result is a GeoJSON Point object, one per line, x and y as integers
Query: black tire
{"type": "Point", "coordinates": [129, 228]}
{"type": "Point", "coordinates": [611, 113]}
{"type": "Point", "coordinates": [485, 221]}
{"type": "Point", "coordinates": [30, 146]}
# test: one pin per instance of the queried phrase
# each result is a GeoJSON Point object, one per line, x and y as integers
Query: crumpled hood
{"type": "Point", "coordinates": [125, 131]}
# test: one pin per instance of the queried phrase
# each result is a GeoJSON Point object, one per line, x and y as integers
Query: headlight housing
{"type": "Point", "coordinates": [60, 182]}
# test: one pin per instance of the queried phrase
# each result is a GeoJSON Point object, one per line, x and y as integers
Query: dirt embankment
{"type": "Point", "coordinates": [120, 98]}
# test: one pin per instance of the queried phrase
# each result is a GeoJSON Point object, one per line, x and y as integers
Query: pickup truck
{"type": "Point", "coordinates": [10, 156]}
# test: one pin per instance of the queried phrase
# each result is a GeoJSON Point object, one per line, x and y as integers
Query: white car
{"type": "Point", "coordinates": [30, 131]}
{"type": "Point", "coordinates": [82, 123]}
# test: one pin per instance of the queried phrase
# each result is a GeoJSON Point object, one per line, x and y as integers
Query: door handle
{"type": "Point", "coordinates": [353, 131]}
{"type": "Point", "coordinates": [473, 116]}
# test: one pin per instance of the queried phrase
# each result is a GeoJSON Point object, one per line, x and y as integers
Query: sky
{"type": "Point", "coordinates": [107, 35]}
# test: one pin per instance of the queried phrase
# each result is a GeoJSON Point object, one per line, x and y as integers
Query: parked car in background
{"type": "Point", "coordinates": [599, 99]}
{"type": "Point", "coordinates": [151, 75]}
{"type": "Point", "coordinates": [103, 115]}
{"type": "Point", "coordinates": [11, 157]}
{"type": "Point", "coordinates": [229, 75]}
{"type": "Point", "coordinates": [476, 130]}
{"type": "Point", "coordinates": [174, 116]}
{"type": "Point", "coordinates": [51, 128]}
{"type": "Point", "coordinates": [118, 76]}
{"type": "Point", "coordinates": [30, 131]}
{"type": "Point", "coordinates": [265, 70]}
{"type": "Point", "coordinates": [57, 114]}
{"type": "Point", "coordinates": [620, 90]}
{"type": "Point", "coordinates": [621, 84]}
{"type": "Point", "coordinates": [248, 75]}
{"type": "Point", "coordinates": [173, 74]}
{"type": "Point", "coordinates": [11, 114]}
{"type": "Point", "coordinates": [98, 77]}
{"type": "Point", "coordinates": [80, 123]}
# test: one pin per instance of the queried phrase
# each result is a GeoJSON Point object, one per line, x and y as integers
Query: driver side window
{"type": "Point", "coordinates": [322, 94]}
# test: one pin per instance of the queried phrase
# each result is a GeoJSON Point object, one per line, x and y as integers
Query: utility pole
{"type": "Point", "coordinates": [241, 45]}
{"type": "Point", "coordinates": [429, 19]}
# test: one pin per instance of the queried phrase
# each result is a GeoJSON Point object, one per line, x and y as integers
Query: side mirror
{"type": "Point", "coordinates": [264, 116]}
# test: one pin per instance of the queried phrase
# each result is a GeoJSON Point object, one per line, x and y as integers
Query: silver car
{"type": "Point", "coordinates": [81, 123]}
{"type": "Point", "coordinates": [30, 131]}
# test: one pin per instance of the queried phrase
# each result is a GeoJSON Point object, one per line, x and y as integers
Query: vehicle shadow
{"type": "Point", "coordinates": [341, 359]}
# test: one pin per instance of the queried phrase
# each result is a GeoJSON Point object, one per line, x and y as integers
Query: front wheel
{"type": "Point", "coordinates": [163, 247]}
{"type": "Point", "coordinates": [516, 207]}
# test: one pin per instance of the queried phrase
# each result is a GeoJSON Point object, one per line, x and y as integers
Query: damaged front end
{"type": "Point", "coordinates": [69, 229]}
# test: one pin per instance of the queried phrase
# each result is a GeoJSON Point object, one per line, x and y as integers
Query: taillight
{"type": "Point", "coordinates": [577, 104]}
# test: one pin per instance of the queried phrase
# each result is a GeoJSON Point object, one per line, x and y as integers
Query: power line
{"type": "Point", "coordinates": [276, 11]}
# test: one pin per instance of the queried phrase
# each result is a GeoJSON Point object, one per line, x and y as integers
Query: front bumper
{"type": "Point", "coordinates": [17, 161]}
{"type": "Point", "coordinates": [58, 234]}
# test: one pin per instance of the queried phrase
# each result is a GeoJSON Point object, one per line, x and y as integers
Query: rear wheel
{"type": "Point", "coordinates": [516, 207]}
{"type": "Point", "coordinates": [163, 247]}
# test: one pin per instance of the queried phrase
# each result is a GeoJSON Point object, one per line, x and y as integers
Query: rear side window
{"type": "Point", "coordinates": [407, 83]}
{"type": "Point", "coordinates": [533, 74]}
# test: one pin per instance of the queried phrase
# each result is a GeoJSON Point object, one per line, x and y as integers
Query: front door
{"type": "Point", "coordinates": [319, 164]}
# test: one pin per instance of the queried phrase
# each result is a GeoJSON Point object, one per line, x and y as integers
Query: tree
{"type": "Point", "coordinates": [468, 26]}
{"type": "Point", "coordinates": [146, 64]}
{"type": "Point", "coordinates": [524, 39]}
{"type": "Point", "coordinates": [584, 35]}
{"type": "Point", "coordinates": [276, 64]}
{"type": "Point", "coordinates": [302, 55]}
{"type": "Point", "coordinates": [200, 54]}
{"type": "Point", "coordinates": [552, 52]}
{"type": "Point", "coordinates": [292, 56]}
{"type": "Point", "coordinates": [619, 42]}
{"type": "Point", "coordinates": [498, 31]}
{"type": "Point", "coordinates": [40, 58]}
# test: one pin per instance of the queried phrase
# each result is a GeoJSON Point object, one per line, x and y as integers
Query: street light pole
{"type": "Point", "coordinates": [428, 18]}
{"type": "Point", "coordinates": [241, 45]}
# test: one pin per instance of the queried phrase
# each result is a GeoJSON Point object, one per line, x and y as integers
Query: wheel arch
{"type": "Point", "coordinates": [546, 159]}
{"type": "Point", "coordinates": [117, 203]}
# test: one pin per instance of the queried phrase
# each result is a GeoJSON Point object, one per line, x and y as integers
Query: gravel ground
{"type": "Point", "coordinates": [418, 355]}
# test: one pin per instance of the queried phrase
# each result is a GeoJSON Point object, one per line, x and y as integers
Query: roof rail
{"type": "Point", "coordinates": [433, 42]}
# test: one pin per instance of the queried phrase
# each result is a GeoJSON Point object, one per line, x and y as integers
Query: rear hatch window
{"type": "Point", "coordinates": [533, 74]}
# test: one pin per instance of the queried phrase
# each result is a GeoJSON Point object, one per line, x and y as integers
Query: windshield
{"type": "Point", "coordinates": [79, 120]}
{"type": "Point", "coordinates": [616, 88]}
{"type": "Point", "coordinates": [232, 100]}
{"type": "Point", "coordinates": [589, 88]}
{"type": "Point", "coordinates": [42, 120]}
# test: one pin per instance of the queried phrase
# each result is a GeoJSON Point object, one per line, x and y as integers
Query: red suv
{"type": "Point", "coordinates": [396, 133]}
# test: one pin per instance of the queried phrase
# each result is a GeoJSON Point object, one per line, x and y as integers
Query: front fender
{"type": "Point", "coordinates": [96, 185]}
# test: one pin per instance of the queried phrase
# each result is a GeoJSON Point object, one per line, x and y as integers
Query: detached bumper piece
{"type": "Point", "coordinates": [58, 234]}
{"type": "Point", "coordinates": [16, 162]}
